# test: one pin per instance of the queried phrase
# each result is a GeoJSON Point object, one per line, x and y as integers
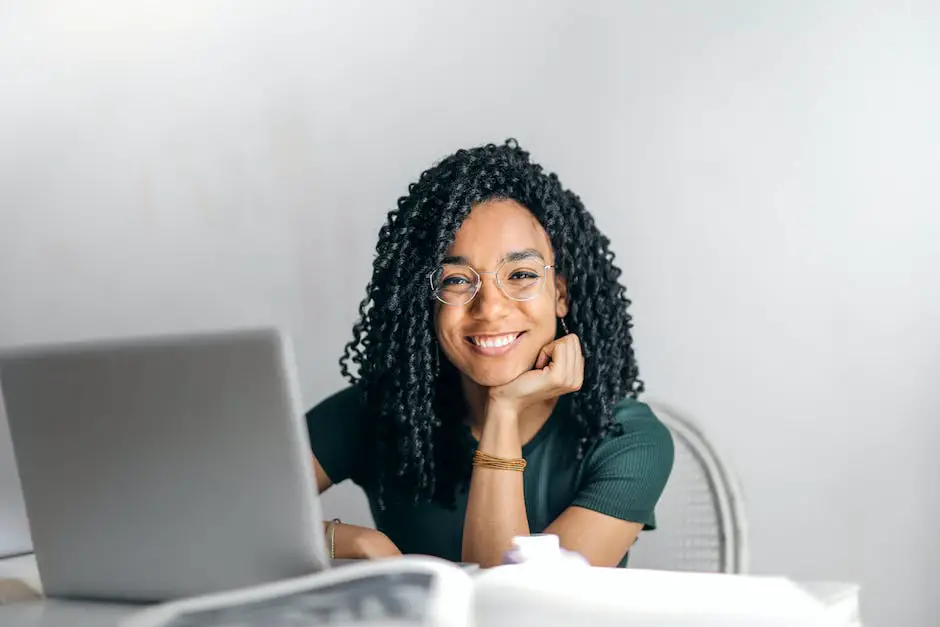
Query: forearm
{"type": "Point", "coordinates": [496, 504]}
{"type": "Point", "coordinates": [354, 542]}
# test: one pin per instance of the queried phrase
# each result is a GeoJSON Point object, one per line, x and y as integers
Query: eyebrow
{"type": "Point", "coordinates": [516, 255]}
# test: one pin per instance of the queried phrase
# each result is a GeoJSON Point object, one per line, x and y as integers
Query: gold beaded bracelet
{"type": "Point", "coordinates": [331, 533]}
{"type": "Point", "coordinates": [484, 460]}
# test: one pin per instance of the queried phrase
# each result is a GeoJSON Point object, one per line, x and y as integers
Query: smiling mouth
{"type": "Point", "coordinates": [494, 344]}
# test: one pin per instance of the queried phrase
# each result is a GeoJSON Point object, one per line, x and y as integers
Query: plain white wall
{"type": "Point", "coordinates": [766, 171]}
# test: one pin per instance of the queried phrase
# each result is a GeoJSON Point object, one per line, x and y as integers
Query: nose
{"type": "Point", "coordinates": [489, 302]}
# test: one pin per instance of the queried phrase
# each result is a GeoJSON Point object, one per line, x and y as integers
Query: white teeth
{"type": "Point", "coordinates": [494, 341]}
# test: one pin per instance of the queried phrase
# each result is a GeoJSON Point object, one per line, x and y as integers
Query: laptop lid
{"type": "Point", "coordinates": [163, 467]}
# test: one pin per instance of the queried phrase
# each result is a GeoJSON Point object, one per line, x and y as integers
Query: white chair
{"type": "Point", "coordinates": [700, 522]}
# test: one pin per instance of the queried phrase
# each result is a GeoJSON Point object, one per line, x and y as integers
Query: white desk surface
{"type": "Point", "coordinates": [47, 613]}
{"type": "Point", "coordinates": [57, 613]}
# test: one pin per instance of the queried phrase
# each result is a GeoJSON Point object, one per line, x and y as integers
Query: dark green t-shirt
{"type": "Point", "coordinates": [621, 476]}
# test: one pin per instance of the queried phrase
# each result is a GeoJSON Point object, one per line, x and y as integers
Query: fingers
{"type": "Point", "coordinates": [577, 363]}
{"type": "Point", "coordinates": [566, 366]}
{"type": "Point", "coordinates": [559, 370]}
{"type": "Point", "coordinates": [574, 363]}
{"type": "Point", "coordinates": [545, 356]}
{"type": "Point", "coordinates": [549, 354]}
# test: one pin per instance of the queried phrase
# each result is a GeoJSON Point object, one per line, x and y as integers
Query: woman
{"type": "Point", "coordinates": [496, 386]}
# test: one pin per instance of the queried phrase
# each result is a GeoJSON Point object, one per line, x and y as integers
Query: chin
{"type": "Point", "coordinates": [491, 381]}
{"type": "Point", "coordinates": [494, 377]}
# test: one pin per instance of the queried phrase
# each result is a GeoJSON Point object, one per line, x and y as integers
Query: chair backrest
{"type": "Point", "coordinates": [700, 522]}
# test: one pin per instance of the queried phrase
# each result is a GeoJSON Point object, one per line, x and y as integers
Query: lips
{"type": "Point", "coordinates": [494, 345]}
{"type": "Point", "coordinates": [493, 341]}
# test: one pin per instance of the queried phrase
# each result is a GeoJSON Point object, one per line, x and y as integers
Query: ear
{"type": "Point", "coordinates": [561, 296]}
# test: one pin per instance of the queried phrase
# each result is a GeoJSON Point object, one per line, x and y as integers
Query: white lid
{"type": "Point", "coordinates": [537, 546]}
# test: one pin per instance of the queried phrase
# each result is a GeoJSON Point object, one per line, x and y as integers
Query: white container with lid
{"type": "Point", "coordinates": [542, 548]}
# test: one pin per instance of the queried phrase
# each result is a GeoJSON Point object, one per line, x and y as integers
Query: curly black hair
{"type": "Point", "coordinates": [409, 392]}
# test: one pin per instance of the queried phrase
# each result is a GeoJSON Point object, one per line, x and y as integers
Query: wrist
{"type": "Point", "coordinates": [502, 410]}
{"type": "Point", "coordinates": [500, 433]}
{"type": "Point", "coordinates": [355, 542]}
{"type": "Point", "coordinates": [374, 544]}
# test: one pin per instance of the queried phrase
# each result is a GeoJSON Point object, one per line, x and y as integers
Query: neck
{"type": "Point", "coordinates": [477, 398]}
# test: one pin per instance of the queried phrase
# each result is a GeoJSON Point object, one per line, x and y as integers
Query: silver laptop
{"type": "Point", "coordinates": [159, 468]}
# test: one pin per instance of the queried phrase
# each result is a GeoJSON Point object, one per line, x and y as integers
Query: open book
{"type": "Point", "coordinates": [401, 591]}
{"type": "Point", "coordinates": [428, 591]}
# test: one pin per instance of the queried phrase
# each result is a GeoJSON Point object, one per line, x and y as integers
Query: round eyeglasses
{"type": "Point", "coordinates": [519, 280]}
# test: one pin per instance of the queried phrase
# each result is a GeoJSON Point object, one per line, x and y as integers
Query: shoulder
{"type": "Point", "coordinates": [343, 402]}
{"type": "Point", "coordinates": [627, 470]}
{"type": "Point", "coordinates": [335, 429]}
{"type": "Point", "coordinates": [638, 418]}
{"type": "Point", "coordinates": [643, 444]}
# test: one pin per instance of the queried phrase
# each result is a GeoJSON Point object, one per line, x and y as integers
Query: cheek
{"type": "Point", "coordinates": [541, 314]}
{"type": "Point", "coordinates": [446, 325]}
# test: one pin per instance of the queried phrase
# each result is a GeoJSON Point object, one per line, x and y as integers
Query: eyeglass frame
{"type": "Point", "coordinates": [499, 283]}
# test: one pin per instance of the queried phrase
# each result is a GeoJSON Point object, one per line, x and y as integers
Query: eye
{"type": "Point", "coordinates": [523, 275]}
{"type": "Point", "coordinates": [455, 281]}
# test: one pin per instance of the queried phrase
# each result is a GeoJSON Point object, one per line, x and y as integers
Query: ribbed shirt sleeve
{"type": "Point", "coordinates": [626, 474]}
{"type": "Point", "coordinates": [335, 429]}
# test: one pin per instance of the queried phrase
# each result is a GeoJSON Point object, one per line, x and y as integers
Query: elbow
{"type": "Point", "coordinates": [488, 562]}
{"type": "Point", "coordinates": [482, 558]}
